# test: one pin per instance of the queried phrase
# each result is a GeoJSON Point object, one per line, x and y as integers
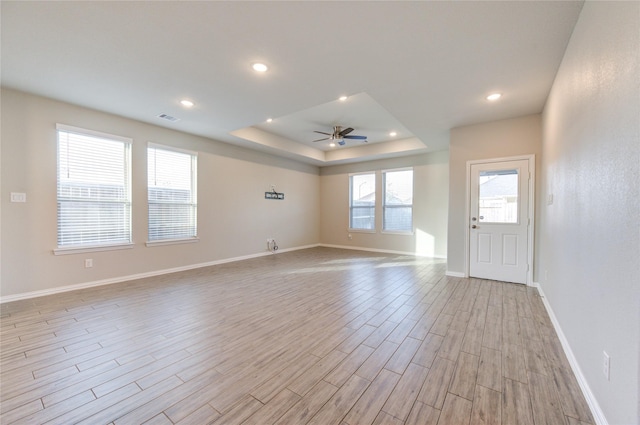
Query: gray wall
{"type": "Point", "coordinates": [498, 139]}
{"type": "Point", "coordinates": [234, 219]}
{"type": "Point", "coordinates": [590, 238]}
{"type": "Point", "coordinates": [431, 174]}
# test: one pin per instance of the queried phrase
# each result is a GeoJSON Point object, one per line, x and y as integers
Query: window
{"type": "Point", "coordinates": [171, 176]}
{"type": "Point", "coordinates": [362, 201]}
{"type": "Point", "coordinates": [94, 189]}
{"type": "Point", "coordinates": [397, 215]}
{"type": "Point", "coordinates": [498, 196]}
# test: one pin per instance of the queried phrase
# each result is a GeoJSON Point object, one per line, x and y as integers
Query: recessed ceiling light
{"type": "Point", "coordinates": [494, 96]}
{"type": "Point", "coordinates": [342, 98]}
{"type": "Point", "coordinates": [393, 134]}
{"type": "Point", "coordinates": [186, 103]}
{"type": "Point", "coordinates": [269, 119]}
{"type": "Point", "coordinates": [333, 145]}
{"type": "Point", "coordinates": [259, 67]}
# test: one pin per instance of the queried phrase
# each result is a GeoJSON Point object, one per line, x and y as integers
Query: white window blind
{"type": "Point", "coordinates": [172, 193]}
{"type": "Point", "coordinates": [362, 201]}
{"type": "Point", "coordinates": [94, 188]}
{"type": "Point", "coordinates": [398, 200]}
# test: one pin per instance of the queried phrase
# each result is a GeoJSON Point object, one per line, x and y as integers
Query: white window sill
{"type": "Point", "coordinates": [397, 232]}
{"type": "Point", "coordinates": [85, 249]}
{"type": "Point", "coordinates": [171, 242]}
{"type": "Point", "coordinates": [361, 230]}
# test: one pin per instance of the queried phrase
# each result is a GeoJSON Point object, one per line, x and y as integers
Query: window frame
{"type": "Point", "coordinates": [383, 173]}
{"type": "Point", "coordinates": [194, 196]}
{"type": "Point", "coordinates": [351, 207]}
{"type": "Point", "coordinates": [108, 246]}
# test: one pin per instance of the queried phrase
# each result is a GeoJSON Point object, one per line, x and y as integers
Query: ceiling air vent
{"type": "Point", "coordinates": [168, 117]}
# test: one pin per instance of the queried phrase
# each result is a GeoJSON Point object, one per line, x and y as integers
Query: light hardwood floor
{"type": "Point", "coordinates": [318, 336]}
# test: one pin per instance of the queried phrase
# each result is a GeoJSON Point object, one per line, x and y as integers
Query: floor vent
{"type": "Point", "coordinates": [168, 117]}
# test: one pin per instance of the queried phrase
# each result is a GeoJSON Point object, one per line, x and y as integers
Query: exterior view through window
{"type": "Point", "coordinates": [362, 201]}
{"type": "Point", "coordinates": [398, 201]}
{"type": "Point", "coordinates": [498, 200]}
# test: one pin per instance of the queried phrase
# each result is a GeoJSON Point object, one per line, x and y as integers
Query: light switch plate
{"type": "Point", "coordinates": [18, 197]}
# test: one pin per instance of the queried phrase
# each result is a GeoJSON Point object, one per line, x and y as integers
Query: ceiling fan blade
{"type": "Point", "coordinates": [355, 137]}
{"type": "Point", "coordinates": [322, 132]}
{"type": "Point", "coordinates": [319, 140]}
{"type": "Point", "coordinates": [346, 131]}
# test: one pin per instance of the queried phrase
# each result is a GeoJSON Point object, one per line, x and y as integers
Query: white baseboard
{"type": "Point", "coordinates": [596, 411]}
{"type": "Point", "coordinates": [67, 288]}
{"type": "Point", "coordinates": [455, 274]}
{"type": "Point", "coordinates": [384, 251]}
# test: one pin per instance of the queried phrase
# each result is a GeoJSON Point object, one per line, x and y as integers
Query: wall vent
{"type": "Point", "coordinates": [168, 117]}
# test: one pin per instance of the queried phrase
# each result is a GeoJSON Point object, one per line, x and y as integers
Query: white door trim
{"type": "Point", "coordinates": [532, 207]}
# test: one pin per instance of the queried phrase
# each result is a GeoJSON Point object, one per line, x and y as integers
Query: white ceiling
{"type": "Point", "coordinates": [417, 68]}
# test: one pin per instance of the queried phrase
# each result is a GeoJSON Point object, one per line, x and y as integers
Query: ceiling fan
{"type": "Point", "coordinates": [340, 134]}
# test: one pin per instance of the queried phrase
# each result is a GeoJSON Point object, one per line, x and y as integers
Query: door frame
{"type": "Point", "coordinates": [532, 208]}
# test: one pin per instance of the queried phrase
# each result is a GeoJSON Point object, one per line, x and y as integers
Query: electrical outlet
{"type": "Point", "coordinates": [605, 364]}
{"type": "Point", "coordinates": [350, 237]}
{"type": "Point", "coordinates": [88, 263]}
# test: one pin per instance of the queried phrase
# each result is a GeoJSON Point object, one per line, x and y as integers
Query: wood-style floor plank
{"type": "Point", "coordinates": [487, 409]}
{"type": "Point", "coordinates": [434, 390]}
{"type": "Point", "coordinates": [423, 414]}
{"type": "Point", "coordinates": [406, 391]}
{"type": "Point", "coordinates": [456, 411]}
{"type": "Point", "coordinates": [309, 405]}
{"type": "Point", "coordinates": [465, 376]}
{"type": "Point", "coordinates": [318, 336]}
{"type": "Point", "coordinates": [569, 392]}
{"type": "Point", "coordinates": [516, 403]}
{"type": "Point", "coordinates": [366, 409]}
{"type": "Point", "coordinates": [490, 369]}
{"type": "Point", "coordinates": [544, 401]}
{"type": "Point", "coordinates": [342, 401]}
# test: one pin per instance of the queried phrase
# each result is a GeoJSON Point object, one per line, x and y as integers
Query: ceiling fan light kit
{"type": "Point", "coordinates": [339, 135]}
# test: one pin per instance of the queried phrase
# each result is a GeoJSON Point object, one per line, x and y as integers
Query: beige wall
{"type": "Point", "coordinates": [429, 214]}
{"type": "Point", "coordinates": [499, 139]}
{"type": "Point", "coordinates": [234, 219]}
{"type": "Point", "coordinates": [590, 237]}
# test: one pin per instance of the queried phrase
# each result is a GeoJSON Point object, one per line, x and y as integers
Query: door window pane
{"type": "Point", "coordinates": [498, 200]}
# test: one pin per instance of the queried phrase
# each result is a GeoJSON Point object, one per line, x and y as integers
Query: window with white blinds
{"type": "Point", "coordinates": [94, 188]}
{"type": "Point", "coordinates": [172, 196]}
{"type": "Point", "coordinates": [397, 211]}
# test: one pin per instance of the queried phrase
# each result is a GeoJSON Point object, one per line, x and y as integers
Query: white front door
{"type": "Point", "coordinates": [499, 220]}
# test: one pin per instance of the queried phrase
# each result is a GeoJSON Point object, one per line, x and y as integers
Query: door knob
{"type": "Point", "coordinates": [474, 226]}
